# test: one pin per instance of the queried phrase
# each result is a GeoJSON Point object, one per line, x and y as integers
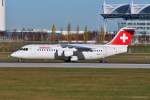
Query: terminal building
{"type": "Point", "coordinates": [132, 15]}
{"type": "Point", "coordinates": [142, 26]}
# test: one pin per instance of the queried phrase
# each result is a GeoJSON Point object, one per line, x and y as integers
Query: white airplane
{"type": "Point", "coordinates": [76, 52]}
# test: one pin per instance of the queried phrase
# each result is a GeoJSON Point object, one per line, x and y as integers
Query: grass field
{"type": "Point", "coordinates": [138, 58]}
{"type": "Point", "coordinates": [74, 84]}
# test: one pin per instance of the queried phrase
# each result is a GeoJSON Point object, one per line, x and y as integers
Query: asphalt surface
{"type": "Point", "coordinates": [74, 65]}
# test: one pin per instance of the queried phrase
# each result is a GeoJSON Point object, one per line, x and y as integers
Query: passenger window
{"type": "Point", "coordinates": [24, 49]}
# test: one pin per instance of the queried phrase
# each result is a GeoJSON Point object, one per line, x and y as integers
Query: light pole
{"type": "Point", "coordinates": [2, 16]}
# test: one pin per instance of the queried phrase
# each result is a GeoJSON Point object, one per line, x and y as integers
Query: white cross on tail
{"type": "Point", "coordinates": [124, 38]}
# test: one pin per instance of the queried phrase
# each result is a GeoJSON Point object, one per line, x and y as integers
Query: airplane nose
{"type": "Point", "coordinates": [14, 54]}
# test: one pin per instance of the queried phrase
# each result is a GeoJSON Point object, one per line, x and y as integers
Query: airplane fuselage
{"type": "Point", "coordinates": [59, 52]}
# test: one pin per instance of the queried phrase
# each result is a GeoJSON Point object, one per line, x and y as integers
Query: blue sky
{"type": "Point", "coordinates": [42, 14]}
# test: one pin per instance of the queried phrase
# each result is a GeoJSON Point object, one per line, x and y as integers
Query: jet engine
{"type": "Point", "coordinates": [69, 55]}
{"type": "Point", "coordinates": [68, 52]}
{"type": "Point", "coordinates": [74, 58]}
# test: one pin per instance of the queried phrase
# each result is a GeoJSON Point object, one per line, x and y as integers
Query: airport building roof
{"type": "Point", "coordinates": [126, 11]}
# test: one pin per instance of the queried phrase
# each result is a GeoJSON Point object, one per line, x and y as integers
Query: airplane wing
{"type": "Point", "coordinates": [78, 47]}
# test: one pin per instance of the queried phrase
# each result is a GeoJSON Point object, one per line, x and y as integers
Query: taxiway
{"type": "Point", "coordinates": [74, 65]}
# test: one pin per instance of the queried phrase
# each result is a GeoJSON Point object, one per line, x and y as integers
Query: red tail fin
{"type": "Point", "coordinates": [123, 37]}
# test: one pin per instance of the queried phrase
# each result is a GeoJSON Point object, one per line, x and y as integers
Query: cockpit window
{"type": "Point", "coordinates": [24, 49]}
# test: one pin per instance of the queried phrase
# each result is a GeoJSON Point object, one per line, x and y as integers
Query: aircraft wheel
{"type": "Point", "coordinates": [68, 59]}
{"type": "Point", "coordinates": [103, 61]}
{"type": "Point", "coordinates": [20, 60]}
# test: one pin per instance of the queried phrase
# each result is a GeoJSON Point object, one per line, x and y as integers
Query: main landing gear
{"type": "Point", "coordinates": [68, 59]}
{"type": "Point", "coordinates": [20, 60]}
{"type": "Point", "coordinates": [103, 60]}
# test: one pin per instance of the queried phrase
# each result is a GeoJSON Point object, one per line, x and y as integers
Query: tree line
{"type": "Point", "coordinates": [55, 37]}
